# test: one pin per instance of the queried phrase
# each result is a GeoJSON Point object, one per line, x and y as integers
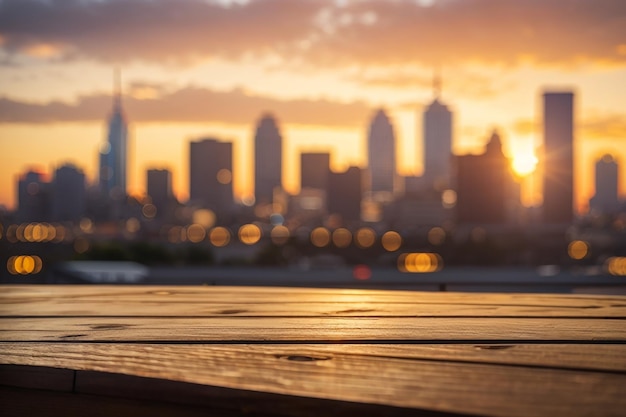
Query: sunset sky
{"type": "Point", "coordinates": [193, 69]}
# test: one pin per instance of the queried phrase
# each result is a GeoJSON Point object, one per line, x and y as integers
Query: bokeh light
{"type": "Point", "coordinates": [391, 241]}
{"type": "Point", "coordinates": [365, 237]}
{"type": "Point", "coordinates": [175, 234]}
{"type": "Point", "coordinates": [320, 237]}
{"type": "Point", "coordinates": [279, 235]}
{"type": "Point", "coordinates": [24, 265]}
{"type": "Point", "coordinates": [362, 272]}
{"type": "Point", "coordinates": [219, 236]}
{"type": "Point", "coordinates": [420, 262]}
{"type": "Point", "coordinates": [132, 225]}
{"type": "Point", "coordinates": [224, 176]}
{"type": "Point", "coordinates": [249, 234]}
{"type": "Point", "coordinates": [11, 233]}
{"type": "Point", "coordinates": [196, 233]}
{"type": "Point", "coordinates": [616, 265]}
{"type": "Point", "coordinates": [342, 237]}
{"type": "Point", "coordinates": [81, 245]}
{"type": "Point", "coordinates": [86, 225]}
{"type": "Point", "coordinates": [149, 211]}
{"type": "Point", "coordinates": [577, 249]}
{"type": "Point", "coordinates": [204, 217]}
{"type": "Point", "coordinates": [448, 199]}
{"type": "Point", "coordinates": [436, 236]}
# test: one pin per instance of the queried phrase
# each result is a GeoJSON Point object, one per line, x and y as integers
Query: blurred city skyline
{"type": "Point", "coordinates": [322, 68]}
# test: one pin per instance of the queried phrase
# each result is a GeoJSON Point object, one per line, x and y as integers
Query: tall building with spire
{"type": "Point", "coordinates": [381, 151]}
{"type": "Point", "coordinates": [268, 155]}
{"type": "Point", "coordinates": [114, 152]}
{"type": "Point", "coordinates": [437, 125]}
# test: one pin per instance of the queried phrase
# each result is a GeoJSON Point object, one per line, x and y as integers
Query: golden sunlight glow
{"type": "Point", "coordinates": [524, 164]}
{"type": "Point", "coordinates": [44, 50]}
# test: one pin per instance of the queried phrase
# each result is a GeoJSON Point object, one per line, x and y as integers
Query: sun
{"type": "Point", "coordinates": [524, 164]}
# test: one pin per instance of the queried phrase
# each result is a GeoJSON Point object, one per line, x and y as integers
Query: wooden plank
{"type": "Point", "coordinates": [439, 385]}
{"type": "Point", "coordinates": [324, 329]}
{"type": "Point", "coordinates": [238, 401]}
{"type": "Point", "coordinates": [25, 301]}
{"type": "Point", "coordinates": [17, 294]}
{"type": "Point", "coordinates": [591, 357]}
{"type": "Point", "coordinates": [147, 308]}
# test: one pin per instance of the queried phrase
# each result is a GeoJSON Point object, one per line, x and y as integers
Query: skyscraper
{"type": "Point", "coordinates": [345, 194]}
{"type": "Point", "coordinates": [114, 152]}
{"type": "Point", "coordinates": [268, 155]}
{"type": "Point", "coordinates": [314, 170]}
{"type": "Point", "coordinates": [211, 174]}
{"type": "Point", "coordinates": [159, 187]}
{"type": "Point", "coordinates": [558, 141]}
{"type": "Point", "coordinates": [437, 143]}
{"type": "Point", "coordinates": [605, 199]}
{"type": "Point", "coordinates": [69, 195]}
{"type": "Point", "coordinates": [33, 197]}
{"type": "Point", "coordinates": [381, 151]}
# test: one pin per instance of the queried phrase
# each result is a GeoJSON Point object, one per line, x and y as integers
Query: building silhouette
{"type": "Point", "coordinates": [210, 175]}
{"type": "Point", "coordinates": [114, 152]}
{"type": "Point", "coordinates": [437, 129]}
{"type": "Point", "coordinates": [558, 145]}
{"type": "Point", "coordinates": [314, 170]}
{"type": "Point", "coordinates": [159, 188]}
{"type": "Point", "coordinates": [381, 151]}
{"type": "Point", "coordinates": [69, 194]}
{"type": "Point", "coordinates": [483, 185]}
{"type": "Point", "coordinates": [606, 198]}
{"type": "Point", "coordinates": [33, 197]}
{"type": "Point", "coordinates": [268, 155]}
{"type": "Point", "coordinates": [345, 193]}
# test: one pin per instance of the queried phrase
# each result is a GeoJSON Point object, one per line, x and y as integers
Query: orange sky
{"type": "Point", "coordinates": [322, 67]}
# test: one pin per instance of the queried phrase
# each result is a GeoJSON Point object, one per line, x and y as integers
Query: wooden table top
{"type": "Point", "coordinates": [148, 350]}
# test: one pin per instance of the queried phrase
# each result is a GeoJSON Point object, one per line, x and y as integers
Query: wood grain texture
{"type": "Point", "coordinates": [366, 374]}
{"type": "Point", "coordinates": [281, 329]}
{"type": "Point", "coordinates": [459, 353]}
{"type": "Point", "coordinates": [41, 301]}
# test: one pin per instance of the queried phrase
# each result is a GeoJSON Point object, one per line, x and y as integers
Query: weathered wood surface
{"type": "Point", "coordinates": [315, 350]}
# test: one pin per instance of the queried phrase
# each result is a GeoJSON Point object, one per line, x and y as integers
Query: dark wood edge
{"type": "Point", "coordinates": [26, 390]}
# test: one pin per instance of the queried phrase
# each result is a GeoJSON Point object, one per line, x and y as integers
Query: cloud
{"type": "Point", "coordinates": [462, 83]}
{"type": "Point", "coordinates": [154, 30]}
{"type": "Point", "coordinates": [591, 126]}
{"type": "Point", "coordinates": [320, 32]}
{"type": "Point", "coordinates": [604, 126]}
{"type": "Point", "coordinates": [189, 104]}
